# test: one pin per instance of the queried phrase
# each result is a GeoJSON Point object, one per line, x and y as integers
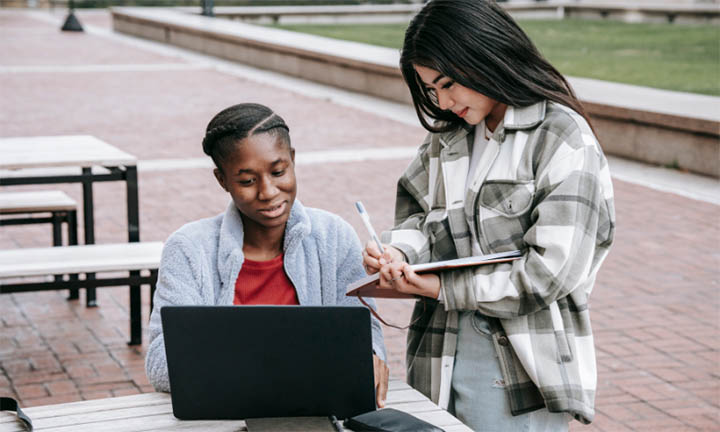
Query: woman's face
{"type": "Point", "coordinates": [469, 105]}
{"type": "Point", "coordinates": [260, 177]}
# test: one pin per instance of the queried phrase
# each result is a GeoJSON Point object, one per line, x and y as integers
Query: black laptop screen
{"type": "Point", "coordinates": [237, 362]}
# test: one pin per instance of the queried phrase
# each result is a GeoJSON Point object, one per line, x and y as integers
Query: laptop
{"type": "Point", "coordinates": [239, 362]}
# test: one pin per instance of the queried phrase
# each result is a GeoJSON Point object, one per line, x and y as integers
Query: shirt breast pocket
{"type": "Point", "coordinates": [505, 212]}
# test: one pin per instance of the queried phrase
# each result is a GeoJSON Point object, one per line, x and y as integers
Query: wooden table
{"type": "Point", "coordinates": [153, 412]}
{"type": "Point", "coordinates": [81, 159]}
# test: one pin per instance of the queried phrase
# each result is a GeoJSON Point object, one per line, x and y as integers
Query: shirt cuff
{"type": "Point", "coordinates": [441, 296]}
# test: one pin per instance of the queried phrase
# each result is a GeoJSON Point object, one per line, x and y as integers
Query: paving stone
{"type": "Point", "coordinates": [30, 391]}
{"type": "Point", "coordinates": [50, 400]}
{"type": "Point", "coordinates": [61, 387]}
{"type": "Point", "coordinates": [37, 377]}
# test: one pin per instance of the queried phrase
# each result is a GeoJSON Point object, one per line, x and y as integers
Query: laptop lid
{"type": "Point", "coordinates": [238, 362]}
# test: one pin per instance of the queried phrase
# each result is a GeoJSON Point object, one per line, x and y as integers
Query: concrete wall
{"type": "Point", "coordinates": [655, 126]}
{"type": "Point", "coordinates": [657, 140]}
{"type": "Point", "coordinates": [649, 2]}
{"type": "Point", "coordinates": [626, 11]}
{"type": "Point", "coordinates": [256, 46]}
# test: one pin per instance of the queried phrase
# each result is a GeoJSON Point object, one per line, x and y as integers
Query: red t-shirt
{"type": "Point", "coordinates": [264, 282]}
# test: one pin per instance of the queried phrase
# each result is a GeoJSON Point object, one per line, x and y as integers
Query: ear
{"type": "Point", "coordinates": [220, 177]}
{"type": "Point", "coordinates": [292, 155]}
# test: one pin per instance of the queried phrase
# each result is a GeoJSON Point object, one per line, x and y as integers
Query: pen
{"type": "Point", "coordinates": [336, 424]}
{"type": "Point", "coordinates": [366, 220]}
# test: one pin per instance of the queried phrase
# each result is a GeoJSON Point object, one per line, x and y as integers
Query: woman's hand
{"type": "Point", "coordinates": [381, 372]}
{"type": "Point", "coordinates": [373, 260]}
{"type": "Point", "coordinates": [401, 277]}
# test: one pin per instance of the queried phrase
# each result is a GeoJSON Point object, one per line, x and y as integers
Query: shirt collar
{"type": "Point", "coordinates": [524, 117]}
{"type": "Point", "coordinates": [515, 118]}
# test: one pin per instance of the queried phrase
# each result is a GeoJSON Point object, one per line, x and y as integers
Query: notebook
{"type": "Point", "coordinates": [368, 286]}
{"type": "Point", "coordinates": [239, 362]}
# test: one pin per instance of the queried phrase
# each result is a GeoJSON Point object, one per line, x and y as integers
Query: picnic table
{"type": "Point", "coordinates": [81, 159]}
{"type": "Point", "coordinates": [153, 412]}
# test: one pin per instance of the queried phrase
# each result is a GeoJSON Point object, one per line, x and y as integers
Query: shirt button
{"type": "Point", "coordinates": [503, 340]}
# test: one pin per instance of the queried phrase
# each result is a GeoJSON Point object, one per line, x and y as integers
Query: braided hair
{"type": "Point", "coordinates": [237, 123]}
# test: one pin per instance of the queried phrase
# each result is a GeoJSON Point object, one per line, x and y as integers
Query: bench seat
{"type": "Point", "coordinates": [35, 202]}
{"type": "Point", "coordinates": [16, 265]}
{"type": "Point", "coordinates": [94, 258]}
{"type": "Point", "coordinates": [22, 208]}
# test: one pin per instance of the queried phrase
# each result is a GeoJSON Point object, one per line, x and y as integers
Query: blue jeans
{"type": "Point", "coordinates": [478, 396]}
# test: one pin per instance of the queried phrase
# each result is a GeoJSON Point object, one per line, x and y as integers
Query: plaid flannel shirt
{"type": "Point", "coordinates": [542, 186]}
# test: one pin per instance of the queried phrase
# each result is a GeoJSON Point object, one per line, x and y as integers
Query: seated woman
{"type": "Point", "coordinates": [266, 248]}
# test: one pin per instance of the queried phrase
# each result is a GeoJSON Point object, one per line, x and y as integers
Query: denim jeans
{"type": "Point", "coordinates": [478, 396]}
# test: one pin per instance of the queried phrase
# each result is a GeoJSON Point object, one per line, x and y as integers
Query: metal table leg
{"type": "Point", "coordinates": [135, 313]}
{"type": "Point", "coordinates": [73, 241]}
{"type": "Point", "coordinates": [88, 214]}
{"type": "Point", "coordinates": [133, 217]}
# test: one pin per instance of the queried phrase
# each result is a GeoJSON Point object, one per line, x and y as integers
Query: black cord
{"type": "Point", "coordinates": [336, 424]}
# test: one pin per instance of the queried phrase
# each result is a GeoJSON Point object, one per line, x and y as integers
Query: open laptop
{"type": "Point", "coordinates": [238, 362]}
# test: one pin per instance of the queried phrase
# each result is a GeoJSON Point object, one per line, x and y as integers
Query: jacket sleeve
{"type": "Point", "coordinates": [412, 205]}
{"type": "Point", "coordinates": [572, 224]}
{"type": "Point", "coordinates": [350, 269]}
{"type": "Point", "coordinates": [178, 284]}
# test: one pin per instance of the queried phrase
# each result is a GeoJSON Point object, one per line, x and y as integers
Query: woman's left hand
{"type": "Point", "coordinates": [381, 373]}
{"type": "Point", "coordinates": [401, 277]}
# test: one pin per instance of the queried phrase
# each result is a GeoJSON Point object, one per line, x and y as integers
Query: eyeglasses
{"type": "Point", "coordinates": [379, 318]}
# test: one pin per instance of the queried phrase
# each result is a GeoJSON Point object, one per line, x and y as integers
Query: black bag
{"type": "Point", "coordinates": [10, 404]}
{"type": "Point", "coordinates": [389, 420]}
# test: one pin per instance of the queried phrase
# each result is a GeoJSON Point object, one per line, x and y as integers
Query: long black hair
{"type": "Point", "coordinates": [239, 122]}
{"type": "Point", "coordinates": [478, 45]}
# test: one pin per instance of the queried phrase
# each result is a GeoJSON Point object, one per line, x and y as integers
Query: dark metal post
{"type": "Point", "coordinates": [133, 217]}
{"type": "Point", "coordinates": [133, 204]}
{"type": "Point", "coordinates": [71, 22]}
{"type": "Point", "coordinates": [73, 241]}
{"type": "Point", "coordinates": [57, 220]}
{"type": "Point", "coordinates": [88, 215]}
{"type": "Point", "coordinates": [207, 7]}
{"type": "Point", "coordinates": [153, 286]}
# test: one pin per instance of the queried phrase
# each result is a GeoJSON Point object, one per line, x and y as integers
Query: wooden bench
{"type": "Point", "coordinates": [17, 265]}
{"type": "Point", "coordinates": [57, 203]}
{"type": "Point", "coordinates": [20, 208]}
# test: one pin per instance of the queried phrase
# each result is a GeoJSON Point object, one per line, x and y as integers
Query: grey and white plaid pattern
{"type": "Point", "coordinates": [542, 186]}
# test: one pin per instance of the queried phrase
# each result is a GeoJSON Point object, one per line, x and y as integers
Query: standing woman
{"type": "Point", "coordinates": [511, 162]}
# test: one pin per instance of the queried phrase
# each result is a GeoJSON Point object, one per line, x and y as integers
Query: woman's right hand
{"type": "Point", "coordinates": [373, 260]}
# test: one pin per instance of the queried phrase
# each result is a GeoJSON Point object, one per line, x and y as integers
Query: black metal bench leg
{"type": "Point", "coordinates": [153, 286]}
{"type": "Point", "coordinates": [72, 241]}
{"type": "Point", "coordinates": [135, 313]}
{"type": "Point", "coordinates": [90, 292]}
{"type": "Point", "coordinates": [57, 220]}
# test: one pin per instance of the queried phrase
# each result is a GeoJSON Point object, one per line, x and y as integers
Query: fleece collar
{"type": "Point", "coordinates": [230, 242]}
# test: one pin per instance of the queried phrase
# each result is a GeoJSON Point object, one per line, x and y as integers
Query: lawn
{"type": "Point", "coordinates": [668, 56]}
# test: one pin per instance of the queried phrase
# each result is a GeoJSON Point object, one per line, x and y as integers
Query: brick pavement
{"type": "Point", "coordinates": [654, 309]}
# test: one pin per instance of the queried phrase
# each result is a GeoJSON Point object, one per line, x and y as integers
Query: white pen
{"type": "Point", "coordinates": [366, 220]}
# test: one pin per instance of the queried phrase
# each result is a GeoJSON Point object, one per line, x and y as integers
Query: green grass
{"type": "Point", "coordinates": [668, 56]}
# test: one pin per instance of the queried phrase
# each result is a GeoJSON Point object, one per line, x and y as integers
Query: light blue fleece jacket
{"type": "Point", "coordinates": [201, 261]}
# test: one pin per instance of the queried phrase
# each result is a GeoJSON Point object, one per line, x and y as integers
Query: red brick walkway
{"type": "Point", "coordinates": [655, 308]}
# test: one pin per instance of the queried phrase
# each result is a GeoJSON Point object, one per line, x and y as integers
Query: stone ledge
{"type": "Point", "coordinates": [622, 11]}
{"type": "Point", "coordinates": [651, 125]}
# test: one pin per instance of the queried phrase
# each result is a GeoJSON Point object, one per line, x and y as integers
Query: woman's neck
{"type": "Point", "coordinates": [495, 116]}
{"type": "Point", "coordinates": [262, 243]}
